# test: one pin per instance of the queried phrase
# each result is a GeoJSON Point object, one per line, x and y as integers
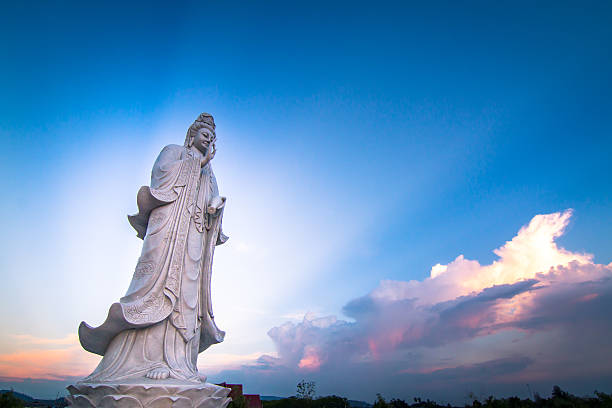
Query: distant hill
{"type": "Point", "coordinates": [270, 398]}
{"type": "Point", "coordinates": [33, 402]}
{"type": "Point", "coordinates": [23, 397]}
{"type": "Point", "coordinates": [359, 404]}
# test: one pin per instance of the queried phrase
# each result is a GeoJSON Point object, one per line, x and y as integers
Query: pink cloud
{"type": "Point", "coordinates": [525, 314]}
{"type": "Point", "coordinates": [45, 358]}
{"type": "Point", "coordinates": [311, 359]}
{"type": "Point", "coordinates": [533, 250]}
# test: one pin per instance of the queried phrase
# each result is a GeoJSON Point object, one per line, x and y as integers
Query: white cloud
{"type": "Point", "coordinates": [531, 251]}
{"type": "Point", "coordinates": [504, 318]}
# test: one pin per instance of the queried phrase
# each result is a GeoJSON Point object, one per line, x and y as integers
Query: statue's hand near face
{"type": "Point", "coordinates": [204, 140]}
{"type": "Point", "coordinates": [216, 203]}
{"type": "Point", "coordinates": [210, 154]}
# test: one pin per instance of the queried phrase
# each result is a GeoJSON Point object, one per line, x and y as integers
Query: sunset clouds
{"type": "Point", "coordinates": [46, 358]}
{"type": "Point", "coordinates": [536, 314]}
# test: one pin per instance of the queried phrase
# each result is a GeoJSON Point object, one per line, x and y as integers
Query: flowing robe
{"type": "Point", "coordinates": [165, 319]}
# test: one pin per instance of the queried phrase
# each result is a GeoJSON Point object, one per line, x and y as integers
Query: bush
{"type": "Point", "coordinates": [8, 400]}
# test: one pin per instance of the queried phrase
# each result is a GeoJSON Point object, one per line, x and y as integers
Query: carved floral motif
{"type": "Point", "coordinates": [144, 269]}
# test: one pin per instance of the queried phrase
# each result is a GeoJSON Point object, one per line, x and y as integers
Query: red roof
{"type": "Point", "coordinates": [252, 400]}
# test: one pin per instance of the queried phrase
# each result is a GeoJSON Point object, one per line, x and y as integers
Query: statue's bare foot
{"type": "Point", "coordinates": [202, 377]}
{"type": "Point", "coordinates": [160, 373]}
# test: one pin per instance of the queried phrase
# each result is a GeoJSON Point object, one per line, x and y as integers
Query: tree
{"type": "Point", "coordinates": [331, 401]}
{"type": "Point", "coordinates": [557, 392]}
{"type": "Point", "coordinates": [8, 400]}
{"type": "Point", "coordinates": [239, 402]}
{"type": "Point", "coordinates": [306, 390]}
{"type": "Point", "coordinates": [398, 403]}
{"type": "Point", "coordinates": [380, 402]}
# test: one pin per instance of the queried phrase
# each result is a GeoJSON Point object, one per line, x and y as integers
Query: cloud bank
{"type": "Point", "coordinates": [539, 314]}
{"type": "Point", "coordinates": [46, 358]}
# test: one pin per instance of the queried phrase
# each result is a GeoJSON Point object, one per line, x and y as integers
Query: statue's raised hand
{"type": "Point", "coordinates": [210, 153]}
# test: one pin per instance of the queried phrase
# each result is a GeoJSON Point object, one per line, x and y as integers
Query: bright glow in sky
{"type": "Point", "coordinates": [373, 156]}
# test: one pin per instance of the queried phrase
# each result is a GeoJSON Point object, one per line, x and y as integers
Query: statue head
{"type": "Point", "coordinates": [201, 132]}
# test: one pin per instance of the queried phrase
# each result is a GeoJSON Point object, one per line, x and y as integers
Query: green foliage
{"type": "Point", "coordinates": [281, 403]}
{"type": "Point", "coordinates": [604, 399]}
{"type": "Point", "coordinates": [239, 402]}
{"type": "Point", "coordinates": [331, 401]}
{"type": "Point", "coordinates": [398, 403]}
{"type": "Point", "coordinates": [8, 400]}
{"type": "Point", "coordinates": [380, 402]}
{"type": "Point", "coordinates": [558, 399]}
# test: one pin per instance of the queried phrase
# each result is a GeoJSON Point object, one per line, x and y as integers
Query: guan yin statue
{"type": "Point", "coordinates": [151, 338]}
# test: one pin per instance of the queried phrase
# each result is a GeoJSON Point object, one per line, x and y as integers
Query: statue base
{"type": "Point", "coordinates": [145, 394]}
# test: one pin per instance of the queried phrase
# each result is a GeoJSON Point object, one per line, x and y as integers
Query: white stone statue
{"type": "Point", "coordinates": [152, 336]}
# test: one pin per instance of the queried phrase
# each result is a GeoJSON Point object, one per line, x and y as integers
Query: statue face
{"type": "Point", "coordinates": [203, 138]}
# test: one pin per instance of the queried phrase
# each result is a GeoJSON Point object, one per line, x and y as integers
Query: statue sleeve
{"type": "Point", "coordinates": [169, 174]}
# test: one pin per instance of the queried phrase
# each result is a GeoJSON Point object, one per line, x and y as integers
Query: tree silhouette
{"type": "Point", "coordinates": [9, 400]}
{"type": "Point", "coordinates": [306, 390]}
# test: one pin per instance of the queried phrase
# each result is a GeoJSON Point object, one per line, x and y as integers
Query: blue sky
{"type": "Point", "coordinates": [358, 143]}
